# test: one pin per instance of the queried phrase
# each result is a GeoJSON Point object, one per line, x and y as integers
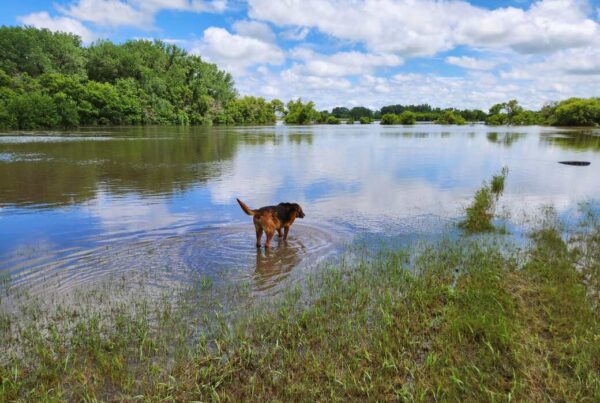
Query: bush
{"type": "Point", "coordinates": [332, 120]}
{"type": "Point", "coordinates": [407, 118]}
{"type": "Point", "coordinates": [365, 120]}
{"type": "Point", "coordinates": [577, 112]}
{"type": "Point", "coordinates": [389, 119]}
{"type": "Point", "coordinates": [450, 118]}
{"type": "Point", "coordinates": [300, 113]}
{"type": "Point", "coordinates": [480, 213]}
{"type": "Point", "coordinates": [33, 111]}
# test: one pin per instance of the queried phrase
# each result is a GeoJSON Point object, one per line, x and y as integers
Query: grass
{"type": "Point", "coordinates": [472, 320]}
{"type": "Point", "coordinates": [480, 213]}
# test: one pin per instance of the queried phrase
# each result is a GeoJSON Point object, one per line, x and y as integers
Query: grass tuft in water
{"type": "Point", "coordinates": [480, 213]}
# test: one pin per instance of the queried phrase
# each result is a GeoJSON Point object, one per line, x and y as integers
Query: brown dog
{"type": "Point", "coordinates": [273, 218]}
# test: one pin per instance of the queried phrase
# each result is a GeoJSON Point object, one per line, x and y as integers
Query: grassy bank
{"type": "Point", "coordinates": [469, 320]}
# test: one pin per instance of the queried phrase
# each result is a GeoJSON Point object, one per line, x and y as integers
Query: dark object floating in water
{"type": "Point", "coordinates": [576, 163]}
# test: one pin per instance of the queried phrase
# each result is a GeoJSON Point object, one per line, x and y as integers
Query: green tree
{"type": "Point", "coordinates": [37, 51]}
{"type": "Point", "coordinates": [450, 118]}
{"type": "Point", "coordinates": [389, 119]}
{"type": "Point", "coordinates": [332, 120]}
{"type": "Point", "coordinates": [360, 111]}
{"type": "Point", "coordinates": [300, 113]}
{"type": "Point", "coordinates": [33, 111]}
{"type": "Point", "coordinates": [576, 112]}
{"type": "Point", "coordinates": [407, 118]}
{"type": "Point", "coordinates": [340, 112]}
{"type": "Point", "coordinates": [511, 113]}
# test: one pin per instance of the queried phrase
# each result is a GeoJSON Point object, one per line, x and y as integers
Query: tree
{"type": "Point", "coordinates": [389, 119]}
{"type": "Point", "coordinates": [300, 113]}
{"type": "Point", "coordinates": [340, 112]}
{"type": "Point", "coordinates": [33, 111]}
{"type": "Point", "coordinates": [450, 118]}
{"type": "Point", "coordinates": [332, 120]}
{"type": "Point", "coordinates": [511, 113]}
{"type": "Point", "coordinates": [37, 51]}
{"type": "Point", "coordinates": [137, 82]}
{"type": "Point", "coordinates": [576, 112]}
{"type": "Point", "coordinates": [360, 111]}
{"type": "Point", "coordinates": [407, 118]}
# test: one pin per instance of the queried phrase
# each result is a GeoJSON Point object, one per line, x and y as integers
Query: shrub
{"type": "Point", "coordinates": [332, 120]}
{"type": "Point", "coordinates": [389, 119]}
{"type": "Point", "coordinates": [407, 118]}
{"type": "Point", "coordinates": [450, 118]}
{"type": "Point", "coordinates": [480, 213]}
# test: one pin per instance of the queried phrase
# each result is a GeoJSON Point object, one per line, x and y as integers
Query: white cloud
{"type": "Point", "coordinates": [295, 34]}
{"type": "Point", "coordinates": [342, 63]}
{"type": "Point", "coordinates": [134, 13]}
{"type": "Point", "coordinates": [547, 26]}
{"type": "Point", "coordinates": [62, 24]}
{"type": "Point", "coordinates": [112, 13]}
{"type": "Point", "coordinates": [254, 29]}
{"type": "Point", "coordinates": [236, 52]}
{"type": "Point", "coordinates": [471, 63]}
{"type": "Point", "coordinates": [411, 28]}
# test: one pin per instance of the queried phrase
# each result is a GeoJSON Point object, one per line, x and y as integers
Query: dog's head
{"type": "Point", "coordinates": [294, 207]}
{"type": "Point", "coordinates": [298, 210]}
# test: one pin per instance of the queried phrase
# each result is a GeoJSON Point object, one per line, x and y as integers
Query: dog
{"type": "Point", "coordinates": [273, 218]}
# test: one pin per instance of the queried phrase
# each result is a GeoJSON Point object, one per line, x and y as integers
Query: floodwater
{"type": "Point", "coordinates": [82, 206]}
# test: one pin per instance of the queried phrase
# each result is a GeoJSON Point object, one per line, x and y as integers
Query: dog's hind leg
{"type": "Point", "coordinates": [279, 232]}
{"type": "Point", "coordinates": [286, 230]}
{"type": "Point", "coordinates": [259, 232]}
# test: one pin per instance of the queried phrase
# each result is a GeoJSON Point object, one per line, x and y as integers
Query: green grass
{"type": "Point", "coordinates": [480, 213]}
{"type": "Point", "coordinates": [471, 320]}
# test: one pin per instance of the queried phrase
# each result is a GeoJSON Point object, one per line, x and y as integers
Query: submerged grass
{"type": "Point", "coordinates": [464, 321]}
{"type": "Point", "coordinates": [480, 213]}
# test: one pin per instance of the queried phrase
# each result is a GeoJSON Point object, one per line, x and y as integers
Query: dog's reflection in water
{"type": "Point", "coordinates": [274, 264]}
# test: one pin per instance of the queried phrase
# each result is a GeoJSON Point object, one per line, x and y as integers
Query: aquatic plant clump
{"type": "Point", "coordinates": [497, 182]}
{"type": "Point", "coordinates": [480, 213]}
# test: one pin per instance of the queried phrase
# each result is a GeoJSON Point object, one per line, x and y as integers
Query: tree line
{"type": "Point", "coordinates": [569, 112]}
{"type": "Point", "coordinates": [49, 80]}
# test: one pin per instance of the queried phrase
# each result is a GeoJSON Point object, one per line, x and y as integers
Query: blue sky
{"type": "Point", "coordinates": [361, 52]}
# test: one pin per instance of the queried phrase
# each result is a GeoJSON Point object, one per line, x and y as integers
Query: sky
{"type": "Point", "coordinates": [465, 54]}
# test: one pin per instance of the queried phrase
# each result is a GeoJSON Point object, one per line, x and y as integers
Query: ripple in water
{"type": "Point", "coordinates": [225, 253]}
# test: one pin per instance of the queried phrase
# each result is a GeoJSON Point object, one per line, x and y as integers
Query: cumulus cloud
{"type": "Point", "coordinates": [342, 63]}
{"type": "Point", "coordinates": [295, 34]}
{"type": "Point", "coordinates": [424, 28]}
{"type": "Point", "coordinates": [58, 24]}
{"type": "Point", "coordinates": [547, 26]}
{"type": "Point", "coordinates": [134, 13]}
{"type": "Point", "coordinates": [254, 29]}
{"type": "Point", "coordinates": [568, 73]}
{"type": "Point", "coordinates": [471, 63]}
{"type": "Point", "coordinates": [236, 52]}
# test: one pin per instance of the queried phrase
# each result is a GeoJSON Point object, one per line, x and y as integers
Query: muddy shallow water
{"type": "Point", "coordinates": [78, 207]}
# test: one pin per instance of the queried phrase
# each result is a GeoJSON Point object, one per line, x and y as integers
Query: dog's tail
{"type": "Point", "coordinates": [246, 209]}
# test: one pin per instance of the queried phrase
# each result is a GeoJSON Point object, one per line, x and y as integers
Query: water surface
{"type": "Point", "coordinates": [80, 206]}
